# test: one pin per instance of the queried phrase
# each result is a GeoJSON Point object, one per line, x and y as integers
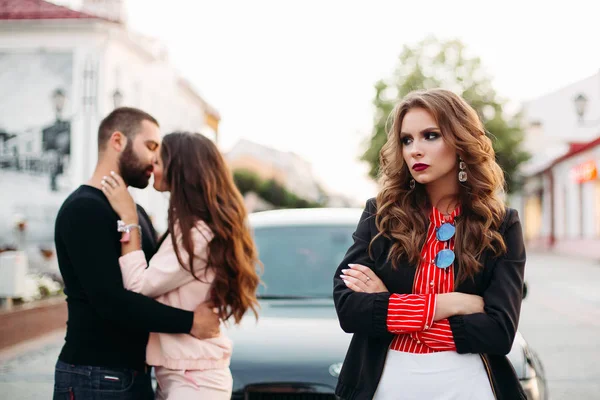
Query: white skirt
{"type": "Point", "coordinates": [436, 376]}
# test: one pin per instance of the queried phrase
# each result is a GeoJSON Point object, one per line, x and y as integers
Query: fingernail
{"type": "Point", "coordinates": [343, 277]}
{"type": "Point", "coordinates": [351, 265]}
{"type": "Point", "coordinates": [344, 271]}
{"type": "Point", "coordinates": [112, 172]}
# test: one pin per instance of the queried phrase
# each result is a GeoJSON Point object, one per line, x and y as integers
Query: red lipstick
{"type": "Point", "coordinates": [420, 167]}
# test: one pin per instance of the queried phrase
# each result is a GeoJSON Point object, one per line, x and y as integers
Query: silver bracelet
{"type": "Point", "coordinates": [122, 227]}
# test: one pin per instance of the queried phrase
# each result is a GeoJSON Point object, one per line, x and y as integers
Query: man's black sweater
{"type": "Point", "coordinates": [107, 326]}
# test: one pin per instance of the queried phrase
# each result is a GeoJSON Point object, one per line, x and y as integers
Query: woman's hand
{"type": "Point", "coordinates": [455, 303]}
{"type": "Point", "coordinates": [362, 279]}
{"type": "Point", "coordinates": [470, 304]}
{"type": "Point", "coordinates": [119, 197]}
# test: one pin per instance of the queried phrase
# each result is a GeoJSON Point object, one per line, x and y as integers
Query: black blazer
{"type": "Point", "coordinates": [490, 334]}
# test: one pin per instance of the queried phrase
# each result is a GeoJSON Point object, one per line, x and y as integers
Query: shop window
{"type": "Point", "coordinates": [597, 207]}
{"type": "Point", "coordinates": [533, 217]}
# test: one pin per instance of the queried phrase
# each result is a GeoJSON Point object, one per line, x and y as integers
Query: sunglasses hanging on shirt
{"type": "Point", "coordinates": [444, 258]}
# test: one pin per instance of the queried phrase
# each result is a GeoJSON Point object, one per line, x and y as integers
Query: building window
{"type": "Point", "coordinates": [597, 207]}
{"type": "Point", "coordinates": [564, 210]}
{"type": "Point", "coordinates": [533, 216]}
{"type": "Point", "coordinates": [581, 210]}
{"type": "Point", "coordinates": [535, 124]}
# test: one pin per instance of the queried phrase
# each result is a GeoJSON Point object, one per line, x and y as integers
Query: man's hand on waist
{"type": "Point", "coordinates": [206, 322]}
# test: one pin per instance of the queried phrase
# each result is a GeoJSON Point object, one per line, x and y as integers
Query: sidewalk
{"type": "Point", "coordinates": [27, 369]}
{"type": "Point", "coordinates": [584, 249]}
{"type": "Point", "coordinates": [555, 256]}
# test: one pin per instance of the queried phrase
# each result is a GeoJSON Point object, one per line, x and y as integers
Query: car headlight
{"type": "Point", "coordinates": [335, 369]}
{"type": "Point", "coordinates": [530, 384]}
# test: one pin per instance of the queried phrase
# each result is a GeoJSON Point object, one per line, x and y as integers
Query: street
{"type": "Point", "coordinates": [560, 320]}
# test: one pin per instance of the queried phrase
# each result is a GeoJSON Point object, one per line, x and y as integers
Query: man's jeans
{"type": "Point", "coordinates": [80, 382]}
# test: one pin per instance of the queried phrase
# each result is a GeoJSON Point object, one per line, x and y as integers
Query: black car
{"type": "Point", "coordinates": [296, 348]}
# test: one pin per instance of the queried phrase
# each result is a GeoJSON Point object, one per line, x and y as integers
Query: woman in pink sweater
{"type": "Point", "coordinates": [207, 255]}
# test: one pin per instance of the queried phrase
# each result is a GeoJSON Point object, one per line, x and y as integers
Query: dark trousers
{"type": "Point", "coordinates": [81, 382]}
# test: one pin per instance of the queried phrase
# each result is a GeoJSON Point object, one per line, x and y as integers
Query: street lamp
{"type": "Point", "coordinates": [117, 98]}
{"type": "Point", "coordinates": [58, 98]}
{"type": "Point", "coordinates": [580, 105]}
{"type": "Point", "coordinates": [56, 139]}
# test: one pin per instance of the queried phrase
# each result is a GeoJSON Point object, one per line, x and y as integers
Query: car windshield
{"type": "Point", "coordinates": [299, 261]}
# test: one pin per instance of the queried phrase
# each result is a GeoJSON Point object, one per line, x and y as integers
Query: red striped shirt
{"type": "Point", "coordinates": [410, 316]}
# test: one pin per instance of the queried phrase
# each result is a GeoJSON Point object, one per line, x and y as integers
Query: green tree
{"type": "Point", "coordinates": [269, 190]}
{"type": "Point", "coordinates": [432, 64]}
{"type": "Point", "coordinates": [274, 193]}
{"type": "Point", "coordinates": [246, 181]}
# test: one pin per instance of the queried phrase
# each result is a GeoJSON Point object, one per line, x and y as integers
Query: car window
{"type": "Point", "coordinates": [301, 260]}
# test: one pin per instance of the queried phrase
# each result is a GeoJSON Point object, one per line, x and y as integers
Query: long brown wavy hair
{"type": "Point", "coordinates": [402, 212]}
{"type": "Point", "coordinates": [202, 188]}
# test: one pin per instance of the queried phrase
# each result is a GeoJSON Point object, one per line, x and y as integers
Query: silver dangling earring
{"type": "Point", "coordinates": [412, 184]}
{"type": "Point", "coordinates": [462, 174]}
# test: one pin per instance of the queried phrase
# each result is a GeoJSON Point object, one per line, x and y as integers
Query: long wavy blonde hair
{"type": "Point", "coordinates": [402, 212]}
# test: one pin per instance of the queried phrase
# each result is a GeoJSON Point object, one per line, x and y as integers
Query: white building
{"type": "Point", "coordinates": [58, 65]}
{"type": "Point", "coordinates": [560, 203]}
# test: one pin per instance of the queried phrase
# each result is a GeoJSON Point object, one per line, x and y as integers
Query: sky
{"type": "Point", "coordinates": [299, 75]}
